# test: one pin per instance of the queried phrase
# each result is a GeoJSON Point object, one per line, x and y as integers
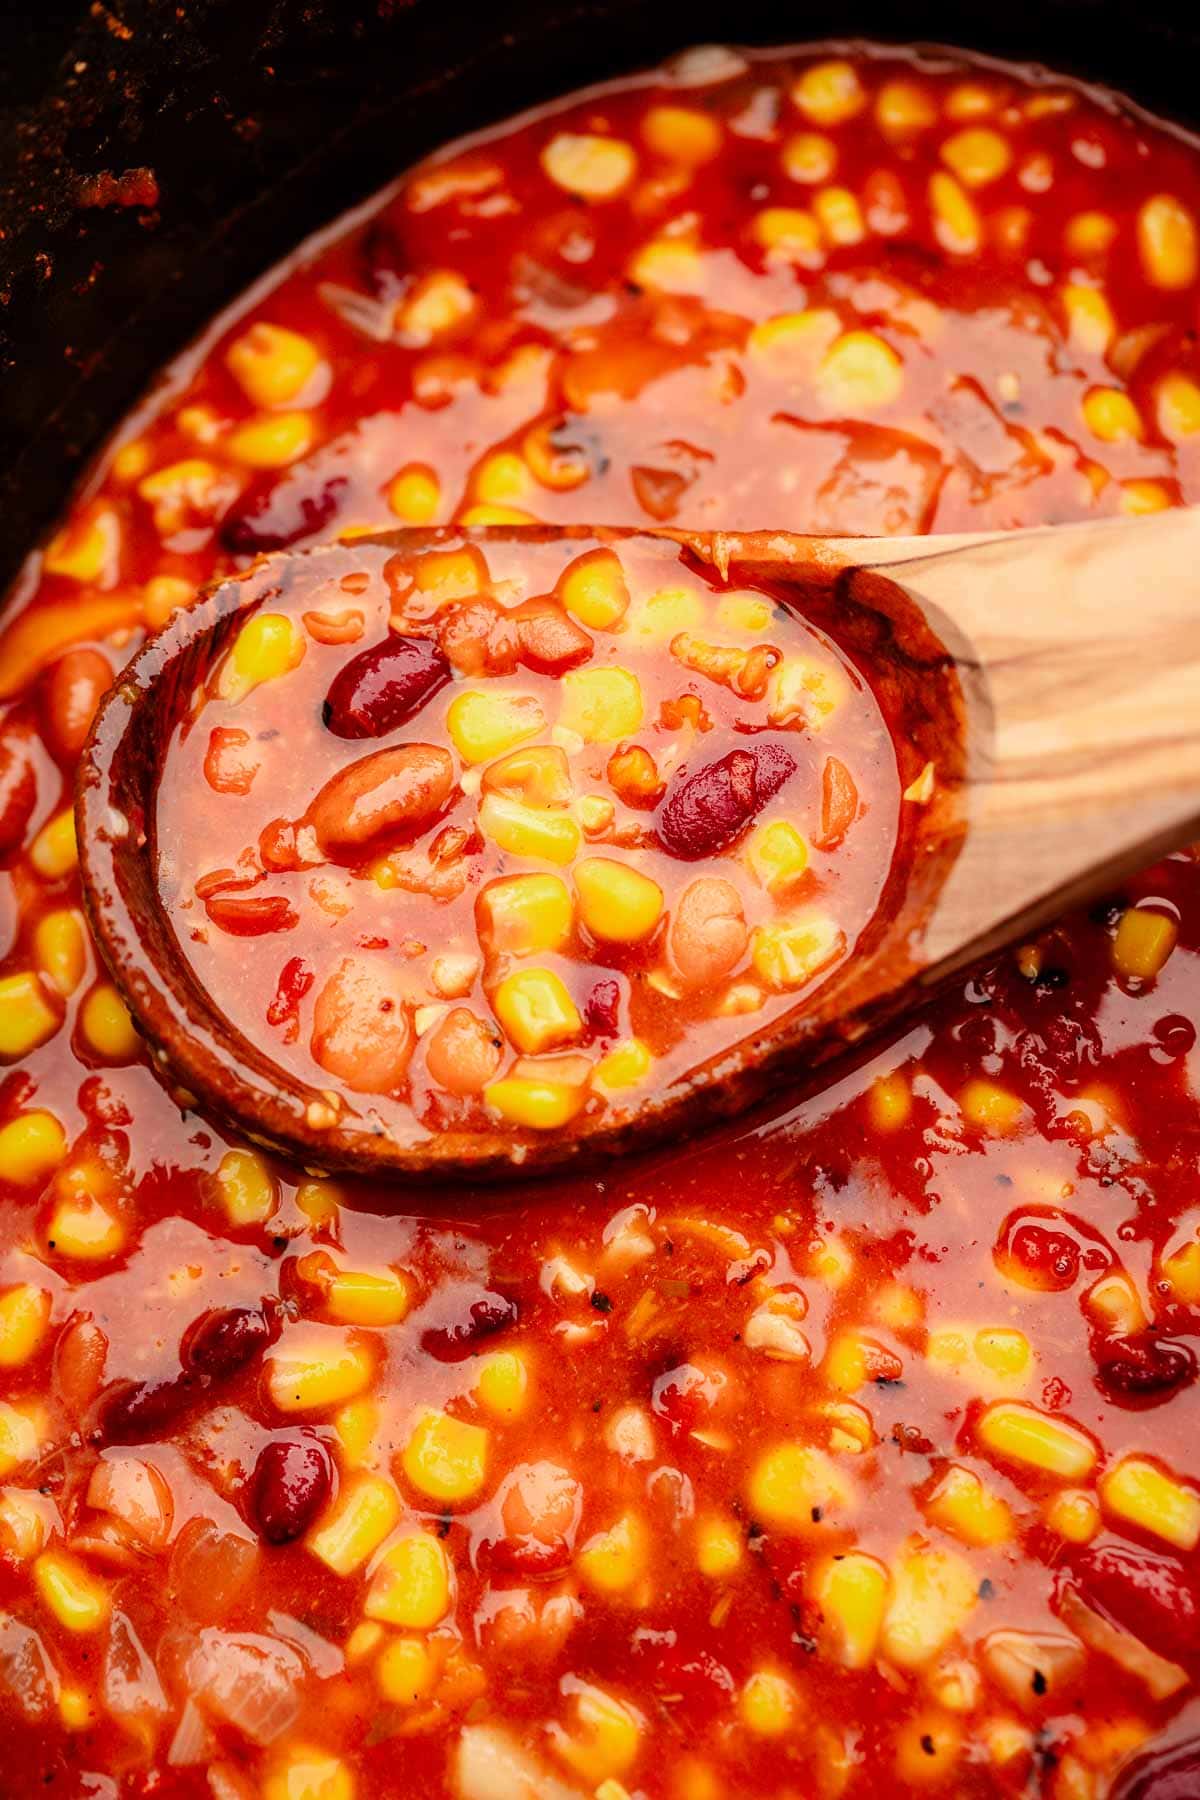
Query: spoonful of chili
{"type": "Point", "coordinates": [461, 851]}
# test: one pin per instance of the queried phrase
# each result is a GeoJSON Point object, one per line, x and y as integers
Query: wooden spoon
{"type": "Point", "coordinates": [1051, 677]}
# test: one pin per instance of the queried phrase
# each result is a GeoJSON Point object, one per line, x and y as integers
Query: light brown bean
{"type": "Point", "coordinates": [550, 641]}
{"type": "Point", "coordinates": [72, 692]}
{"type": "Point", "coordinates": [463, 1052]}
{"type": "Point", "coordinates": [708, 932]}
{"type": "Point", "coordinates": [389, 793]}
{"type": "Point", "coordinates": [362, 1026]}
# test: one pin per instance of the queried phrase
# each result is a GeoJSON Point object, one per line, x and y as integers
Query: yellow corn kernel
{"type": "Point", "coordinates": [947, 1349]}
{"type": "Point", "coordinates": [78, 1601]}
{"type": "Point", "coordinates": [596, 814]}
{"type": "Point", "coordinates": [933, 1594]}
{"type": "Point", "coordinates": [1019, 1433]}
{"type": "Point", "coordinates": [1110, 415]}
{"type": "Point", "coordinates": [625, 1065]}
{"type": "Point", "coordinates": [1115, 1303]}
{"type": "Point", "coordinates": [364, 1514]}
{"type": "Point", "coordinates": [1144, 941]}
{"type": "Point", "coordinates": [793, 1486]}
{"type": "Point", "coordinates": [962, 1505]}
{"type": "Point", "coordinates": [106, 1027]}
{"type": "Point", "coordinates": [358, 1298]}
{"type": "Point", "coordinates": [162, 596]}
{"type": "Point", "coordinates": [272, 441]}
{"type": "Point", "coordinates": [615, 1560]}
{"type": "Point", "coordinates": [312, 1368]}
{"type": "Point", "coordinates": [21, 1436]}
{"type": "Point", "coordinates": [536, 1105]}
{"type": "Point", "coordinates": [267, 647]}
{"type": "Point", "coordinates": [438, 303]}
{"type": "Point", "coordinates": [719, 1547]}
{"type": "Point", "coordinates": [990, 1108]}
{"type": "Point", "coordinates": [834, 1262]}
{"type": "Point", "coordinates": [247, 1190]}
{"type": "Point", "coordinates": [768, 1704]}
{"type": "Point", "coordinates": [24, 1317]}
{"type": "Point", "coordinates": [794, 343]}
{"type": "Point", "coordinates": [74, 1709]}
{"type": "Point", "coordinates": [593, 590]}
{"type": "Point", "coordinates": [446, 1458]}
{"type": "Point", "coordinates": [536, 1010]}
{"type": "Point", "coordinates": [903, 108]}
{"type": "Point", "coordinates": [889, 1102]}
{"type": "Point", "coordinates": [977, 156]}
{"type": "Point", "coordinates": [503, 476]}
{"type": "Point", "coordinates": [839, 215]}
{"type": "Point", "coordinates": [502, 1384]}
{"type": "Point", "coordinates": [1002, 1350]}
{"type": "Point", "coordinates": [488, 514]}
{"type": "Point", "coordinates": [668, 266]}
{"type": "Point", "coordinates": [601, 704]}
{"type": "Point", "coordinates": [407, 1671]}
{"type": "Point", "coordinates": [788, 234]}
{"type": "Point", "coordinates": [748, 614]}
{"type": "Point", "coordinates": [682, 133]}
{"type": "Point", "coordinates": [788, 953]}
{"type": "Point", "coordinates": [130, 462]}
{"type": "Point", "coordinates": [60, 949]}
{"type": "Point", "coordinates": [777, 855]}
{"type": "Point", "coordinates": [1141, 497]}
{"type": "Point", "coordinates": [1167, 243]}
{"type": "Point", "coordinates": [302, 1773]}
{"type": "Point", "coordinates": [1154, 1501]}
{"type": "Point", "coordinates": [830, 92]}
{"type": "Point", "coordinates": [860, 373]}
{"type": "Point", "coordinates": [539, 776]}
{"type": "Point", "coordinates": [523, 915]}
{"type": "Point", "coordinates": [1180, 1270]}
{"type": "Point", "coordinates": [319, 1201]}
{"type": "Point", "coordinates": [356, 1424]}
{"type": "Point", "coordinates": [809, 157]}
{"type": "Point", "coordinates": [415, 494]}
{"type": "Point", "coordinates": [271, 364]}
{"type": "Point", "coordinates": [617, 903]}
{"type": "Point", "coordinates": [662, 615]}
{"type": "Point", "coordinates": [595, 168]}
{"type": "Point", "coordinates": [84, 1229]}
{"type": "Point", "coordinates": [31, 1147]}
{"type": "Point", "coordinates": [604, 1740]}
{"type": "Point", "coordinates": [528, 830]}
{"type": "Point", "coordinates": [483, 726]}
{"type": "Point", "coordinates": [87, 550]}
{"type": "Point", "coordinates": [411, 1586]}
{"type": "Point", "coordinates": [851, 1592]}
{"type": "Point", "coordinates": [928, 1750]}
{"type": "Point", "coordinates": [956, 221]}
{"type": "Point", "coordinates": [1178, 409]}
{"type": "Point", "coordinates": [1090, 233]}
{"type": "Point", "coordinates": [1090, 322]}
{"type": "Point", "coordinates": [1073, 1515]}
{"type": "Point", "coordinates": [807, 691]}
{"type": "Point", "coordinates": [54, 852]}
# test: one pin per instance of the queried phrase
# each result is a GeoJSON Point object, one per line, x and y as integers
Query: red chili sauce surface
{"type": "Point", "coordinates": [853, 1449]}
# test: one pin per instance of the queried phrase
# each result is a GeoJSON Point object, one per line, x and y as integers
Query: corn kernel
{"type": "Point", "coordinates": [1181, 1272]}
{"type": "Point", "coordinates": [411, 1586]}
{"type": "Point", "coordinates": [272, 441]}
{"type": "Point", "coordinates": [31, 1147]}
{"type": "Point", "coordinates": [1141, 497]}
{"type": "Point", "coordinates": [933, 1594]}
{"type": "Point", "coordinates": [302, 1773]}
{"type": "Point", "coordinates": [860, 373]}
{"type": "Point", "coordinates": [777, 855]}
{"type": "Point", "coordinates": [247, 1190]}
{"type": "Point", "coordinates": [84, 1229]}
{"type": "Point", "coordinates": [809, 157]}
{"type": "Point", "coordinates": [977, 156]}
{"type": "Point", "coordinates": [503, 476]}
{"type": "Point", "coordinates": [356, 1425]}
{"type": "Point", "coordinates": [615, 1560]}
{"type": "Point", "coordinates": [1019, 1433]}
{"type": "Point", "coordinates": [482, 726]}
{"type": "Point", "coordinates": [364, 1641]}
{"type": "Point", "coordinates": [364, 1514]}
{"type": "Point", "coordinates": [54, 851]}
{"type": "Point", "coordinates": [668, 266]}
{"type": "Point", "coordinates": [1090, 322]}
{"type": "Point", "coordinates": [1144, 941]}
{"type": "Point", "coordinates": [593, 590]}
{"type": "Point", "coordinates": [851, 1592]}
{"type": "Point", "coordinates": [617, 903]}
{"type": "Point", "coordinates": [596, 168]}
{"type": "Point", "coordinates": [1167, 243]}
{"type": "Point", "coordinates": [903, 108]}
{"type": "Point", "coordinates": [60, 949]}
{"type": "Point", "coordinates": [719, 1549]}
{"type": "Point", "coordinates": [1003, 1351]}
{"type": "Point", "coordinates": [962, 1505]}
{"type": "Point", "coordinates": [24, 1318]}
{"type": "Point", "coordinates": [787, 954]}
{"type": "Point", "coordinates": [267, 647]}
{"type": "Point", "coordinates": [605, 1738]}
{"type": "Point", "coordinates": [956, 221]}
{"type": "Point", "coordinates": [536, 1105]}
{"type": "Point", "coordinates": [539, 775]}
{"type": "Point", "coordinates": [1090, 233]}
{"type": "Point", "coordinates": [1115, 1303]}
{"type": "Point", "coordinates": [839, 215]}
{"type": "Point", "coordinates": [415, 494]}
{"type": "Point", "coordinates": [162, 596]}
{"type": "Point", "coordinates": [271, 364]}
{"type": "Point", "coordinates": [319, 1201]}
{"type": "Point", "coordinates": [808, 691]}
{"type": "Point", "coordinates": [87, 550]}
{"type": "Point", "coordinates": [788, 234]}
{"type": "Point", "coordinates": [502, 1385]}
{"type": "Point", "coordinates": [990, 1108]}
{"type": "Point", "coordinates": [793, 1485]}
{"type": "Point", "coordinates": [1111, 415]}
{"type": "Point", "coordinates": [889, 1102]}
{"type": "Point", "coordinates": [624, 1066]}
{"type": "Point", "coordinates": [748, 614]}
{"type": "Point", "coordinates": [407, 1671]}
{"type": "Point", "coordinates": [443, 576]}
{"type": "Point", "coordinates": [523, 915]}
{"type": "Point", "coordinates": [358, 1298]}
{"type": "Point", "coordinates": [20, 1436]}
{"type": "Point", "coordinates": [528, 830]}
{"type": "Point", "coordinates": [1144, 1495]}
{"type": "Point", "coordinates": [312, 1368]}
{"type": "Point", "coordinates": [446, 1458]}
{"type": "Point", "coordinates": [768, 1704]}
{"type": "Point", "coordinates": [682, 133]}
{"type": "Point", "coordinates": [440, 302]}
{"type": "Point", "coordinates": [74, 1709]}
{"type": "Point", "coordinates": [78, 1601]}
{"type": "Point", "coordinates": [829, 93]}
{"type": "Point", "coordinates": [928, 1750]}
{"type": "Point", "coordinates": [106, 1027]}
{"type": "Point", "coordinates": [536, 1010]}
{"type": "Point", "coordinates": [601, 704]}
{"type": "Point", "coordinates": [1073, 1515]}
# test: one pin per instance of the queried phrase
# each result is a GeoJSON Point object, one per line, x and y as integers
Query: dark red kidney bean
{"type": "Point", "coordinates": [534, 1557]}
{"type": "Point", "coordinates": [1152, 1595]}
{"type": "Point", "coordinates": [602, 1009]}
{"type": "Point", "coordinates": [705, 812]}
{"type": "Point", "coordinates": [223, 1341]}
{"type": "Point", "coordinates": [550, 641]}
{"type": "Point", "coordinates": [278, 514]}
{"type": "Point", "coordinates": [383, 687]}
{"type": "Point", "coordinates": [1172, 1774]}
{"type": "Point", "coordinates": [697, 1683]}
{"type": "Point", "coordinates": [71, 691]}
{"type": "Point", "coordinates": [135, 1411]}
{"type": "Point", "coordinates": [478, 1313]}
{"type": "Point", "coordinates": [18, 782]}
{"type": "Point", "coordinates": [295, 980]}
{"type": "Point", "coordinates": [291, 1484]}
{"type": "Point", "coordinates": [1143, 1370]}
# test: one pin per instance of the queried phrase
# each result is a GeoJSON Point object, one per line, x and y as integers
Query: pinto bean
{"type": "Point", "coordinates": [479, 638]}
{"type": "Point", "coordinates": [71, 692]}
{"type": "Point", "coordinates": [463, 1052]}
{"type": "Point", "coordinates": [550, 641]}
{"type": "Point", "coordinates": [390, 793]}
{"type": "Point", "coordinates": [708, 934]}
{"type": "Point", "coordinates": [291, 1482]}
{"type": "Point", "coordinates": [384, 686]}
{"type": "Point", "coordinates": [18, 782]}
{"type": "Point", "coordinates": [705, 812]}
{"type": "Point", "coordinates": [362, 1026]}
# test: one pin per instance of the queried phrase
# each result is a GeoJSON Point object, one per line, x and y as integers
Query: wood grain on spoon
{"type": "Point", "coordinates": [1043, 685]}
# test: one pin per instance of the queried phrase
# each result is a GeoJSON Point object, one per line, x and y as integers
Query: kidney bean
{"type": "Point", "coordinates": [478, 1313]}
{"type": "Point", "coordinates": [708, 935]}
{"type": "Point", "coordinates": [389, 793]}
{"type": "Point", "coordinates": [251, 915]}
{"type": "Point", "coordinates": [18, 782]}
{"type": "Point", "coordinates": [136, 1411]}
{"type": "Point", "coordinates": [79, 1358]}
{"type": "Point", "coordinates": [463, 1052]}
{"type": "Point", "coordinates": [291, 1484]}
{"type": "Point", "coordinates": [479, 638]}
{"type": "Point", "coordinates": [295, 980]}
{"type": "Point", "coordinates": [229, 764]}
{"type": "Point", "coordinates": [362, 1026]}
{"type": "Point", "coordinates": [1150, 1594]}
{"type": "Point", "coordinates": [1143, 1370]}
{"type": "Point", "coordinates": [705, 812]}
{"type": "Point", "coordinates": [71, 692]}
{"type": "Point", "coordinates": [539, 1509]}
{"type": "Point", "coordinates": [602, 1009]}
{"type": "Point", "coordinates": [550, 641]}
{"type": "Point", "coordinates": [1172, 1774]}
{"type": "Point", "coordinates": [278, 513]}
{"type": "Point", "coordinates": [381, 688]}
{"type": "Point", "coordinates": [224, 1340]}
